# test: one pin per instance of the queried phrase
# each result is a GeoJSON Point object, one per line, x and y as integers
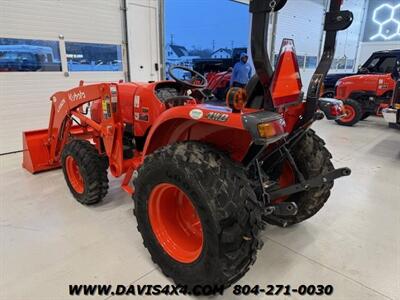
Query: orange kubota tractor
{"type": "Point", "coordinates": [206, 177]}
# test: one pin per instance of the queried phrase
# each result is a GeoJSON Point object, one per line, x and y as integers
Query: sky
{"type": "Point", "coordinates": [196, 23]}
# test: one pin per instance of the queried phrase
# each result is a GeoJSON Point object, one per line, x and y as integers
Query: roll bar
{"type": "Point", "coordinates": [335, 20]}
{"type": "Point", "coordinates": [260, 10]}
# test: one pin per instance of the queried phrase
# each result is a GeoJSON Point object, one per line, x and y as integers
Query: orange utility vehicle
{"type": "Point", "coordinates": [369, 91]}
{"type": "Point", "coordinates": [206, 177]}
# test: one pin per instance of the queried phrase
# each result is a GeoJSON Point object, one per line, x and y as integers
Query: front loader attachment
{"type": "Point", "coordinates": [42, 148]}
{"type": "Point", "coordinates": [36, 155]}
{"type": "Point", "coordinates": [41, 153]}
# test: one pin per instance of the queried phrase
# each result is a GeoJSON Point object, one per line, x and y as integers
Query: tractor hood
{"type": "Point", "coordinates": [351, 79]}
{"type": "Point", "coordinates": [354, 77]}
{"type": "Point", "coordinates": [331, 79]}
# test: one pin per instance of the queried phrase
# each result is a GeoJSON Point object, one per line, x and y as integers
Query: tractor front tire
{"type": "Point", "coordinates": [85, 171]}
{"type": "Point", "coordinates": [312, 159]}
{"type": "Point", "coordinates": [353, 112]}
{"type": "Point", "coordinates": [198, 215]}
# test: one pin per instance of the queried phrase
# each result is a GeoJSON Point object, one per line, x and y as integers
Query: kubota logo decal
{"type": "Point", "coordinates": [76, 96]}
{"type": "Point", "coordinates": [196, 114]}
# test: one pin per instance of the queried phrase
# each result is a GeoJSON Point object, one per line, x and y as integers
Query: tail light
{"type": "Point", "coordinates": [271, 129]}
{"type": "Point", "coordinates": [265, 127]}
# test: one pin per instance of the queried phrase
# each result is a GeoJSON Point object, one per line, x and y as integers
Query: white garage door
{"type": "Point", "coordinates": [47, 46]}
{"type": "Point", "coordinates": [144, 39]}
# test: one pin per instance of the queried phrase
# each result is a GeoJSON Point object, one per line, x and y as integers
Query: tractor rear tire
{"type": "Point", "coordinates": [85, 171]}
{"type": "Point", "coordinates": [312, 159]}
{"type": "Point", "coordinates": [219, 200]}
{"type": "Point", "coordinates": [353, 113]}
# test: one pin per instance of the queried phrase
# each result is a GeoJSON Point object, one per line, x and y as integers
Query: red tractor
{"type": "Point", "coordinates": [219, 83]}
{"type": "Point", "coordinates": [206, 178]}
{"type": "Point", "coordinates": [370, 91]}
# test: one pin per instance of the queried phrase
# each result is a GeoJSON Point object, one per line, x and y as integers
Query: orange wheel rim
{"type": "Point", "coordinates": [74, 175]}
{"type": "Point", "coordinates": [349, 112]}
{"type": "Point", "coordinates": [286, 179]}
{"type": "Point", "coordinates": [175, 223]}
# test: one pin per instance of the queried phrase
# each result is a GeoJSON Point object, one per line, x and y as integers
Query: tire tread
{"type": "Point", "coordinates": [93, 168]}
{"type": "Point", "coordinates": [238, 217]}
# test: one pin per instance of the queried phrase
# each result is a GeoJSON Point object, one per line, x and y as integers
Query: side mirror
{"type": "Point", "coordinates": [363, 71]}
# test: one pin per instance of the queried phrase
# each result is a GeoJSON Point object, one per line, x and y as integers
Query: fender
{"type": "Point", "coordinates": [216, 125]}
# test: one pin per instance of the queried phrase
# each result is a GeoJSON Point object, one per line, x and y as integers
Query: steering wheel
{"type": "Point", "coordinates": [198, 81]}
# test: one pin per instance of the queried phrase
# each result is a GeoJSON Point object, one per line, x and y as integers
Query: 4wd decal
{"type": "Point", "coordinates": [217, 116]}
{"type": "Point", "coordinates": [196, 114]}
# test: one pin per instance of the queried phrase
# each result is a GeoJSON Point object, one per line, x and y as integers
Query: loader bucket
{"type": "Point", "coordinates": [36, 155]}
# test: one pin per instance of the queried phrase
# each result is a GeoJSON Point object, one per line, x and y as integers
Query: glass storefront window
{"type": "Point", "coordinates": [93, 57]}
{"type": "Point", "coordinates": [341, 63]}
{"type": "Point", "coordinates": [300, 61]}
{"type": "Point", "coordinates": [350, 64]}
{"type": "Point", "coordinates": [311, 62]}
{"type": "Point", "coordinates": [25, 55]}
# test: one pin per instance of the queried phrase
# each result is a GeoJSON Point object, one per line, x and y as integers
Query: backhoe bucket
{"type": "Point", "coordinates": [36, 153]}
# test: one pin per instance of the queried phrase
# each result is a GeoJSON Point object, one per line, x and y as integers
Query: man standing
{"type": "Point", "coordinates": [241, 72]}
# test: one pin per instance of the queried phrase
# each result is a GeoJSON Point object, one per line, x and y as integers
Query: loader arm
{"type": "Point", "coordinates": [42, 148]}
{"type": "Point", "coordinates": [64, 106]}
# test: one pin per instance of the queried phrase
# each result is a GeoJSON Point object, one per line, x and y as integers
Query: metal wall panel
{"type": "Point", "coordinates": [24, 96]}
